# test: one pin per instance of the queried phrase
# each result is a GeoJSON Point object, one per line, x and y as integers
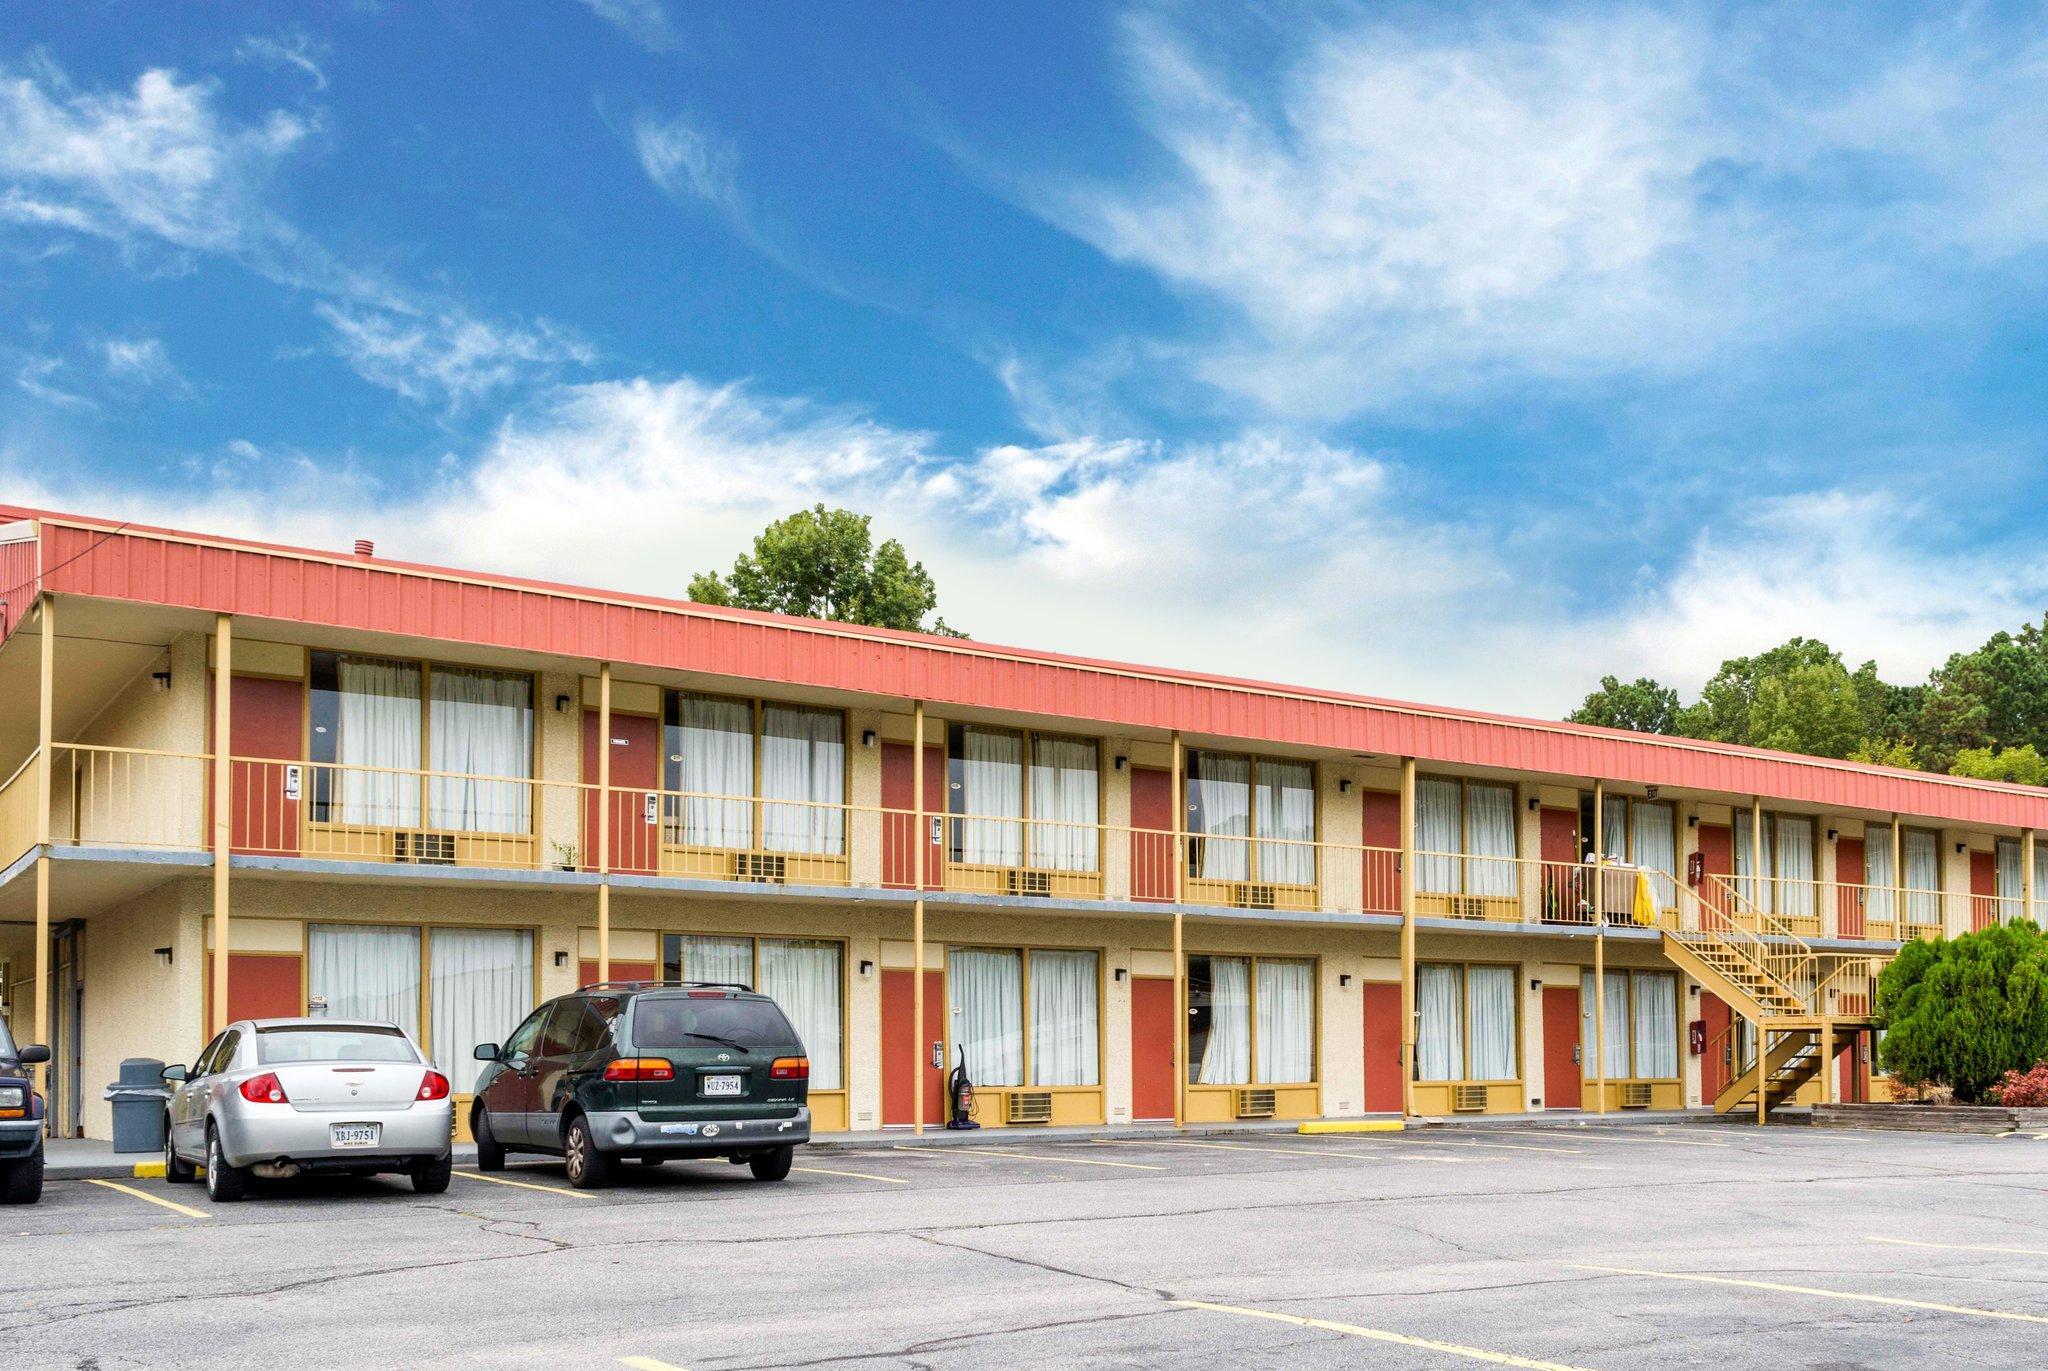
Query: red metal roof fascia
{"type": "Point", "coordinates": [301, 586]}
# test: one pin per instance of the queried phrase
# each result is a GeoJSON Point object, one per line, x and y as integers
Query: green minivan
{"type": "Point", "coordinates": [646, 1071]}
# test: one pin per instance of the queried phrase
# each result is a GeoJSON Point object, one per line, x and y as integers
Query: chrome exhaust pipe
{"type": "Point", "coordinates": [279, 1170]}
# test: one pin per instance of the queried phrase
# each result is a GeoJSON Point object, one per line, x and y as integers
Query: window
{"type": "Point", "coordinates": [1467, 1023]}
{"type": "Point", "coordinates": [673, 1021]}
{"type": "Point", "coordinates": [1641, 1020]}
{"type": "Point", "coordinates": [1923, 876]}
{"type": "Point", "coordinates": [1230, 798]}
{"type": "Point", "coordinates": [1251, 1020]}
{"type": "Point", "coordinates": [524, 1037]}
{"type": "Point", "coordinates": [735, 768]}
{"type": "Point", "coordinates": [1783, 883]}
{"type": "Point", "coordinates": [1467, 831]}
{"type": "Point", "coordinates": [804, 976]}
{"type": "Point", "coordinates": [1041, 816]}
{"type": "Point", "coordinates": [479, 980]}
{"type": "Point", "coordinates": [351, 1043]}
{"type": "Point", "coordinates": [368, 973]}
{"type": "Point", "coordinates": [1639, 832]}
{"type": "Point", "coordinates": [1026, 1016]}
{"type": "Point", "coordinates": [380, 725]}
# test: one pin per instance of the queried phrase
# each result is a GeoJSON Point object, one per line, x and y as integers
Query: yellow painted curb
{"type": "Point", "coordinates": [1352, 1126]}
{"type": "Point", "coordinates": [149, 1171]}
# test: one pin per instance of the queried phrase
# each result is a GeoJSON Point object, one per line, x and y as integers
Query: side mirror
{"type": "Point", "coordinates": [174, 1074]}
{"type": "Point", "coordinates": [486, 1052]}
{"type": "Point", "coordinates": [33, 1054]}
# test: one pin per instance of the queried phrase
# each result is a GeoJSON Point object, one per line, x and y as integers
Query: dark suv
{"type": "Point", "coordinates": [21, 1122]}
{"type": "Point", "coordinates": [646, 1070]}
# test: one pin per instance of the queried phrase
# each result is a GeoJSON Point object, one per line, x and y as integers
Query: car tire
{"type": "Point", "coordinates": [431, 1178]}
{"type": "Point", "coordinates": [177, 1171]}
{"type": "Point", "coordinates": [772, 1165]}
{"type": "Point", "coordinates": [490, 1156]}
{"type": "Point", "coordinates": [23, 1181]}
{"type": "Point", "coordinates": [588, 1168]}
{"type": "Point", "coordinates": [224, 1184]}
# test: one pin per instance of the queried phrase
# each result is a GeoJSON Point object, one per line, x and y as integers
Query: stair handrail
{"type": "Point", "coordinates": [1780, 956]}
{"type": "Point", "coordinates": [1843, 961]}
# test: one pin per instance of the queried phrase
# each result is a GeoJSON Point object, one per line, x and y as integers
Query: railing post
{"type": "Point", "coordinates": [223, 800]}
{"type": "Point", "coordinates": [45, 707]}
{"type": "Point", "coordinates": [1177, 803]}
{"type": "Point", "coordinates": [604, 821]}
{"type": "Point", "coordinates": [1408, 1025]}
{"type": "Point", "coordinates": [1600, 945]}
{"type": "Point", "coordinates": [920, 842]}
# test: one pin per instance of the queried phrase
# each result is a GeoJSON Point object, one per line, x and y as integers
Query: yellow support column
{"type": "Point", "coordinates": [2027, 877]}
{"type": "Point", "coordinates": [223, 799]}
{"type": "Point", "coordinates": [1898, 882]}
{"type": "Point", "coordinates": [1599, 946]}
{"type": "Point", "coordinates": [1408, 937]}
{"type": "Point", "coordinates": [1178, 857]}
{"type": "Point", "coordinates": [604, 821]}
{"type": "Point", "coordinates": [1827, 1059]}
{"type": "Point", "coordinates": [45, 762]}
{"type": "Point", "coordinates": [918, 855]}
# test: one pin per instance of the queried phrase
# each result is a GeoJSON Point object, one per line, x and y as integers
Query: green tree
{"type": "Point", "coordinates": [1797, 697]}
{"type": "Point", "coordinates": [1884, 752]}
{"type": "Point", "coordinates": [1963, 1012]}
{"type": "Point", "coordinates": [2019, 765]}
{"type": "Point", "coordinates": [1995, 697]}
{"type": "Point", "coordinates": [824, 564]}
{"type": "Point", "coordinates": [1642, 705]}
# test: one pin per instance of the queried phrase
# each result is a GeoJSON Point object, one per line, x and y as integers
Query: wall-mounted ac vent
{"type": "Point", "coordinates": [1027, 1106]}
{"type": "Point", "coordinates": [1255, 1104]}
{"type": "Point", "coordinates": [1635, 1095]}
{"type": "Point", "coordinates": [1468, 1099]}
{"type": "Point", "coordinates": [1246, 895]}
{"type": "Point", "coordinates": [762, 868]}
{"type": "Point", "coordinates": [1023, 881]}
{"type": "Point", "coordinates": [423, 849]}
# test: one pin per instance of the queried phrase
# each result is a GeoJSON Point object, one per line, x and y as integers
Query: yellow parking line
{"type": "Point", "coordinates": [1962, 1247]}
{"type": "Point", "coordinates": [963, 1154]}
{"type": "Point", "coordinates": [527, 1185]}
{"type": "Point", "coordinates": [857, 1175]}
{"type": "Point", "coordinates": [1381, 1335]}
{"type": "Point", "coordinates": [1822, 1294]}
{"type": "Point", "coordinates": [171, 1205]}
{"type": "Point", "coordinates": [1388, 1155]}
{"type": "Point", "coordinates": [1576, 1134]}
{"type": "Point", "coordinates": [648, 1364]}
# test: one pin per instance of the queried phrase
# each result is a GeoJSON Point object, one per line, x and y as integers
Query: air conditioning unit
{"type": "Point", "coordinates": [1468, 1099]}
{"type": "Point", "coordinates": [1246, 895]}
{"type": "Point", "coordinates": [762, 868]}
{"type": "Point", "coordinates": [1256, 1103]}
{"type": "Point", "coordinates": [1023, 881]}
{"type": "Point", "coordinates": [1635, 1095]}
{"type": "Point", "coordinates": [1027, 1106]}
{"type": "Point", "coordinates": [1467, 907]}
{"type": "Point", "coordinates": [423, 849]}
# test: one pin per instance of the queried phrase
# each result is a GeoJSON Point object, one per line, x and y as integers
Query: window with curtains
{"type": "Point", "coordinates": [408, 745]}
{"type": "Point", "coordinates": [805, 976]}
{"type": "Point", "coordinates": [1783, 881]}
{"type": "Point", "coordinates": [1639, 832]}
{"type": "Point", "coordinates": [753, 774]}
{"type": "Point", "coordinates": [1466, 1022]}
{"type": "Point", "coordinates": [1025, 1016]}
{"type": "Point", "coordinates": [1641, 1022]}
{"type": "Point", "coordinates": [1464, 837]}
{"type": "Point", "coordinates": [2040, 910]}
{"type": "Point", "coordinates": [1251, 819]}
{"type": "Point", "coordinates": [1023, 799]}
{"type": "Point", "coordinates": [1918, 884]}
{"type": "Point", "coordinates": [1251, 1020]}
{"type": "Point", "coordinates": [2012, 893]}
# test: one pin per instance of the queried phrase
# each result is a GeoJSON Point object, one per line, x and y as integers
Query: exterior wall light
{"type": "Point", "coordinates": [1343, 982]}
{"type": "Point", "coordinates": [1122, 762]}
{"type": "Point", "coordinates": [1344, 785]}
{"type": "Point", "coordinates": [867, 968]}
{"type": "Point", "coordinates": [1535, 803]}
{"type": "Point", "coordinates": [1832, 835]}
{"type": "Point", "coordinates": [867, 737]}
{"type": "Point", "coordinates": [1122, 975]}
{"type": "Point", "coordinates": [561, 704]}
{"type": "Point", "coordinates": [164, 956]}
{"type": "Point", "coordinates": [561, 959]}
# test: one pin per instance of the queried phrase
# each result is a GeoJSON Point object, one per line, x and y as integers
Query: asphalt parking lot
{"type": "Point", "coordinates": [1599, 1247]}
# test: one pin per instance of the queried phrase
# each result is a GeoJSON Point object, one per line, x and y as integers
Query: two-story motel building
{"type": "Point", "coordinates": [1137, 895]}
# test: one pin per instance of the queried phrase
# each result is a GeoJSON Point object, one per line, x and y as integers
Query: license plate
{"type": "Point", "coordinates": [720, 1085]}
{"type": "Point", "coordinates": [355, 1134]}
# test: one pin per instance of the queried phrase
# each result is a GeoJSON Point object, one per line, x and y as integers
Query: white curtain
{"type": "Point", "coordinates": [2011, 888]}
{"type": "Point", "coordinates": [806, 979]}
{"type": "Point", "coordinates": [1285, 808]}
{"type": "Point", "coordinates": [2041, 883]}
{"type": "Point", "coordinates": [1220, 800]}
{"type": "Point", "coordinates": [1286, 1007]}
{"type": "Point", "coordinates": [730, 960]}
{"type": "Point", "coordinates": [1065, 776]}
{"type": "Point", "coordinates": [1439, 828]}
{"type": "Point", "coordinates": [1614, 827]}
{"type": "Point", "coordinates": [1923, 878]}
{"type": "Point", "coordinates": [987, 991]}
{"type": "Point", "coordinates": [1490, 835]}
{"type": "Point", "coordinates": [480, 724]}
{"type": "Point", "coordinates": [1748, 877]}
{"type": "Point", "coordinates": [480, 985]}
{"type": "Point", "coordinates": [1656, 1025]}
{"type": "Point", "coordinates": [1492, 995]}
{"type": "Point", "coordinates": [1797, 894]}
{"type": "Point", "coordinates": [365, 973]}
{"type": "Point", "coordinates": [1877, 873]}
{"type": "Point", "coordinates": [992, 789]}
{"type": "Point", "coordinates": [718, 763]}
{"type": "Point", "coordinates": [379, 722]}
{"type": "Point", "coordinates": [1617, 1026]}
{"type": "Point", "coordinates": [1063, 1018]}
{"type": "Point", "coordinates": [1440, 1001]}
{"type": "Point", "coordinates": [1227, 1055]}
{"type": "Point", "coordinates": [1654, 837]}
{"type": "Point", "coordinates": [803, 762]}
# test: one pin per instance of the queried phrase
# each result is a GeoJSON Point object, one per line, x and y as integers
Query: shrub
{"type": "Point", "coordinates": [2023, 1089]}
{"type": "Point", "coordinates": [1963, 1012]}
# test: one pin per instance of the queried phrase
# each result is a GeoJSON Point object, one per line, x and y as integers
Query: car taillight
{"type": "Point", "coordinates": [433, 1086]}
{"type": "Point", "coordinates": [264, 1089]}
{"type": "Point", "coordinates": [640, 1069]}
{"type": "Point", "coordinates": [790, 1069]}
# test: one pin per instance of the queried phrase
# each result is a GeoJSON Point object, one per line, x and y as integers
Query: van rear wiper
{"type": "Point", "coordinates": [714, 1038]}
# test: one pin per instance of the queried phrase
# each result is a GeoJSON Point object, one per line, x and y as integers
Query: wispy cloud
{"type": "Point", "coordinates": [143, 361]}
{"type": "Point", "coordinates": [646, 22]}
{"type": "Point", "coordinates": [37, 375]}
{"type": "Point", "coordinates": [293, 49]}
{"type": "Point", "coordinates": [686, 163]}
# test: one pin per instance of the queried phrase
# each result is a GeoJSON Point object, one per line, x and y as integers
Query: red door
{"type": "Point", "coordinates": [1854, 1087]}
{"type": "Point", "coordinates": [261, 985]}
{"type": "Point", "coordinates": [1382, 831]}
{"type": "Point", "coordinates": [1849, 894]}
{"type": "Point", "coordinates": [1382, 1047]}
{"type": "Point", "coordinates": [1560, 871]}
{"type": "Point", "coordinates": [1152, 1044]}
{"type": "Point", "coordinates": [636, 776]}
{"type": "Point", "coordinates": [1152, 836]}
{"type": "Point", "coordinates": [267, 737]}
{"type": "Point", "coordinates": [1717, 858]}
{"type": "Point", "coordinates": [899, 1044]}
{"type": "Point", "coordinates": [900, 837]}
{"type": "Point", "coordinates": [1714, 1066]}
{"type": "Point", "coordinates": [1562, 1073]}
{"type": "Point", "coordinates": [1983, 890]}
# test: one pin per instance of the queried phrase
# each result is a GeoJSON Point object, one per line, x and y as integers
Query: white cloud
{"type": "Point", "coordinates": [286, 50]}
{"type": "Point", "coordinates": [643, 21]}
{"type": "Point", "coordinates": [143, 361]}
{"type": "Point", "coordinates": [442, 354]}
{"type": "Point", "coordinates": [36, 376]}
{"type": "Point", "coordinates": [685, 163]}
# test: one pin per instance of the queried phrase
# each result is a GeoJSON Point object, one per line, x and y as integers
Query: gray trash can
{"type": "Point", "coordinates": [138, 1098]}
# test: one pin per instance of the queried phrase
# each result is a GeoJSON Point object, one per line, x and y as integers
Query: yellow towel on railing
{"type": "Point", "coordinates": [1645, 910]}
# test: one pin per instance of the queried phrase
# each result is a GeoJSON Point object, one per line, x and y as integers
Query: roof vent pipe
{"type": "Point", "coordinates": [365, 548]}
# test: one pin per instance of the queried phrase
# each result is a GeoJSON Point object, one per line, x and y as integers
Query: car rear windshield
{"type": "Point", "coordinates": [661, 1021]}
{"type": "Point", "coordinates": [332, 1043]}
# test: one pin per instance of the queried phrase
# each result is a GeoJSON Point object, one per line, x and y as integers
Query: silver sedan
{"type": "Point", "coordinates": [275, 1098]}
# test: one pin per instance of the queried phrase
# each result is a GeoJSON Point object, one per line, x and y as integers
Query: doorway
{"type": "Point", "coordinates": [1563, 1076]}
{"type": "Point", "coordinates": [635, 826]}
{"type": "Point", "coordinates": [67, 1020]}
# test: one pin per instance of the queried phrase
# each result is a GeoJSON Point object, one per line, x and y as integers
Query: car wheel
{"type": "Point", "coordinates": [489, 1155]}
{"type": "Point", "coordinates": [431, 1178]}
{"type": "Point", "coordinates": [23, 1181]}
{"type": "Point", "coordinates": [224, 1184]}
{"type": "Point", "coordinates": [588, 1168]}
{"type": "Point", "coordinates": [176, 1170]}
{"type": "Point", "coordinates": [772, 1165]}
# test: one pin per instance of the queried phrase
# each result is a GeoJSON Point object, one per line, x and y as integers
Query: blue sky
{"type": "Point", "coordinates": [1461, 353]}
